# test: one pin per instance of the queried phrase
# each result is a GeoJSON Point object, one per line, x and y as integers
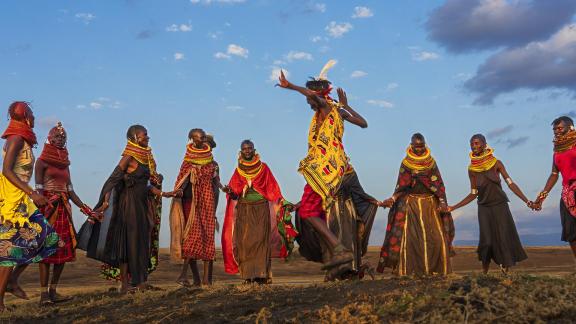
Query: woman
{"type": "Point", "coordinates": [193, 212]}
{"type": "Point", "coordinates": [418, 238]}
{"type": "Point", "coordinates": [52, 174]}
{"type": "Point", "coordinates": [122, 239]}
{"type": "Point", "coordinates": [499, 240]}
{"type": "Point", "coordinates": [25, 235]}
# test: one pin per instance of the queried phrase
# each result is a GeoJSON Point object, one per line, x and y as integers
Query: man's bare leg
{"type": "Point", "coordinates": [13, 285]}
{"type": "Point", "coordinates": [5, 273]}
{"type": "Point", "coordinates": [339, 254]}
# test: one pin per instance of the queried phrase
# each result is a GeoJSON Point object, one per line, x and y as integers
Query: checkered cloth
{"type": "Point", "coordinates": [199, 241]}
{"type": "Point", "coordinates": [59, 217]}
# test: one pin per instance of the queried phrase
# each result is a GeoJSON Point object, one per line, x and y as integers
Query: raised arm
{"type": "Point", "coordinates": [470, 197]}
{"type": "Point", "coordinates": [348, 113]}
{"type": "Point", "coordinates": [284, 83]}
{"type": "Point", "coordinates": [515, 189]}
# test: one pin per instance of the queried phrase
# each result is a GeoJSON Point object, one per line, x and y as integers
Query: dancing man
{"type": "Point", "coordinates": [326, 162]}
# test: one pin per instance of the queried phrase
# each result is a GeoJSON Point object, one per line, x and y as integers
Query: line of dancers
{"type": "Point", "coordinates": [332, 221]}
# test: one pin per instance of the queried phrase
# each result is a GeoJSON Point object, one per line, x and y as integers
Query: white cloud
{"type": "Point", "coordinates": [421, 56]}
{"type": "Point", "coordinates": [232, 49]}
{"type": "Point", "coordinates": [316, 39]}
{"type": "Point", "coordinates": [178, 56]}
{"type": "Point", "coordinates": [275, 74]}
{"type": "Point", "coordinates": [358, 74]}
{"type": "Point", "coordinates": [320, 7]}
{"type": "Point", "coordinates": [100, 103]}
{"type": "Point", "coordinates": [234, 108]}
{"type": "Point", "coordinates": [337, 30]}
{"type": "Point", "coordinates": [380, 103]}
{"type": "Point", "coordinates": [85, 17]}
{"type": "Point", "coordinates": [220, 56]}
{"type": "Point", "coordinates": [295, 55]}
{"type": "Point", "coordinates": [209, 2]}
{"type": "Point", "coordinates": [179, 28]}
{"type": "Point", "coordinates": [392, 86]}
{"type": "Point", "coordinates": [278, 62]}
{"type": "Point", "coordinates": [362, 12]}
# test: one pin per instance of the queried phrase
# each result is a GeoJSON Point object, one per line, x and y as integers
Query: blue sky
{"type": "Point", "coordinates": [447, 69]}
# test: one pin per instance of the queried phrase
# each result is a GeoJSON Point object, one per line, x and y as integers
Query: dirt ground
{"type": "Point", "coordinates": [299, 295]}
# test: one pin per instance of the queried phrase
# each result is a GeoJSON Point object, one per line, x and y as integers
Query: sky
{"type": "Point", "coordinates": [446, 68]}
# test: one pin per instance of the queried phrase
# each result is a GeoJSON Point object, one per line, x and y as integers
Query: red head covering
{"type": "Point", "coordinates": [19, 111]}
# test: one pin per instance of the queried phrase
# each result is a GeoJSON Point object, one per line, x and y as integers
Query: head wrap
{"type": "Point", "coordinates": [18, 124]}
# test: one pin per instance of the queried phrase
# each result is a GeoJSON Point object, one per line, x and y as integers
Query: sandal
{"type": "Point", "coordinates": [17, 292]}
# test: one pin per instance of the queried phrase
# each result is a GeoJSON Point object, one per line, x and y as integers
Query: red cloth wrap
{"type": "Point", "coordinates": [310, 204]}
{"type": "Point", "coordinates": [569, 197]}
{"type": "Point", "coordinates": [21, 129]}
{"type": "Point", "coordinates": [265, 184]}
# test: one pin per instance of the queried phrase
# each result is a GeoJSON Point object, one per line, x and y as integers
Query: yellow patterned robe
{"type": "Point", "coordinates": [326, 162]}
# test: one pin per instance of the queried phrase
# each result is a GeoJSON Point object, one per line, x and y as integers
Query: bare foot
{"type": "Point", "coordinates": [17, 291]}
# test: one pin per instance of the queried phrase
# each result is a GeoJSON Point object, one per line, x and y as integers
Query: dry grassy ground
{"type": "Point", "coordinates": [541, 288]}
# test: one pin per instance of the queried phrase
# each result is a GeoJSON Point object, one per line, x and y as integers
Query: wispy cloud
{"type": "Point", "coordinates": [499, 132]}
{"type": "Point", "coordinates": [392, 86]}
{"type": "Point", "coordinates": [421, 56]}
{"type": "Point", "coordinates": [337, 30]}
{"type": "Point", "coordinates": [380, 103]}
{"type": "Point", "coordinates": [514, 142]}
{"type": "Point", "coordinates": [178, 56]}
{"type": "Point", "coordinates": [358, 74]}
{"type": "Point", "coordinates": [295, 55]}
{"type": "Point", "coordinates": [232, 50]}
{"type": "Point", "coordinates": [179, 28]}
{"type": "Point", "coordinates": [209, 2]}
{"type": "Point", "coordinates": [145, 34]}
{"type": "Point", "coordinates": [85, 17]}
{"type": "Point", "coordinates": [101, 103]}
{"type": "Point", "coordinates": [362, 12]}
{"type": "Point", "coordinates": [234, 108]}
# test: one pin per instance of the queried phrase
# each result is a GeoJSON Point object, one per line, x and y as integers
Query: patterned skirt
{"type": "Point", "coordinates": [60, 218]}
{"type": "Point", "coordinates": [198, 243]}
{"type": "Point", "coordinates": [25, 235]}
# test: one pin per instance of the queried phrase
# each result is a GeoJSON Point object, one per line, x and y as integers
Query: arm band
{"type": "Point", "coordinates": [39, 187]}
{"type": "Point", "coordinates": [474, 191]}
{"type": "Point", "coordinates": [509, 181]}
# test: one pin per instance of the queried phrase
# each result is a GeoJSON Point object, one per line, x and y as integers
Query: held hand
{"type": "Point", "coordinates": [179, 193]}
{"type": "Point", "coordinates": [443, 208]}
{"type": "Point", "coordinates": [99, 216]}
{"type": "Point", "coordinates": [388, 203]}
{"type": "Point", "coordinates": [103, 207]}
{"type": "Point", "coordinates": [39, 200]}
{"type": "Point", "coordinates": [282, 81]}
{"type": "Point", "coordinates": [342, 98]}
{"type": "Point", "coordinates": [226, 189]}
